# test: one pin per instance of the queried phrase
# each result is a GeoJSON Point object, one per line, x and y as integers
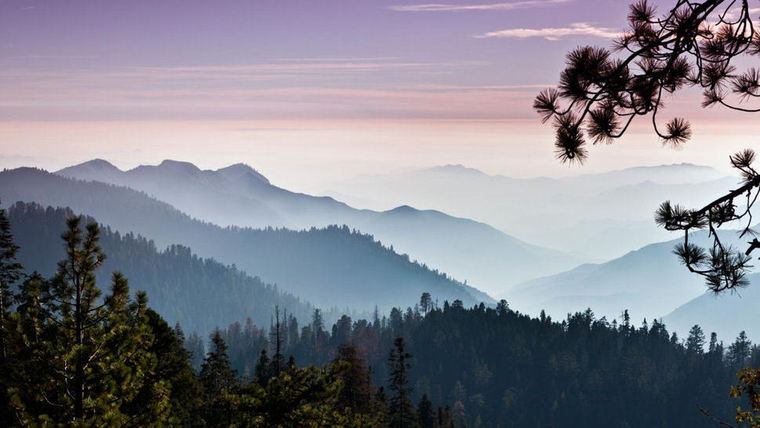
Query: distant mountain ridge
{"type": "Point", "coordinates": [651, 283]}
{"type": "Point", "coordinates": [238, 195]}
{"type": "Point", "coordinates": [330, 267]}
{"type": "Point", "coordinates": [600, 215]}
{"type": "Point", "coordinates": [726, 314]}
{"type": "Point", "coordinates": [200, 294]}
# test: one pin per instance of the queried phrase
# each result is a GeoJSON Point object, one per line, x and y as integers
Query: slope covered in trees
{"type": "Point", "coordinates": [200, 294]}
{"type": "Point", "coordinates": [238, 195]}
{"type": "Point", "coordinates": [334, 266]}
{"type": "Point", "coordinates": [576, 214]}
{"type": "Point", "coordinates": [497, 367]}
{"type": "Point", "coordinates": [72, 355]}
{"type": "Point", "coordinates": [651, 283]}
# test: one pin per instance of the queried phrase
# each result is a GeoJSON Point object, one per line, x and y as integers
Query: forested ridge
{"type": "Point", "coordinates": [497, 367]}
{"type": "Point", "coordinates": [200, 294]}
{"type": "Point", "coordinates": [73, 354]}
{"type": "Point", "coordinates": [332, 266]}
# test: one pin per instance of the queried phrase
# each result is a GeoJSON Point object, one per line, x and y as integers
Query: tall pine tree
{"type": "Point", "coordinates": [10, 273]}
{"type": "Point", "coordinates": [219, 383]}
{"type": "Point", "coordinates": [401, 409]}
{"type": "Point", "coordinates": [90, 353]}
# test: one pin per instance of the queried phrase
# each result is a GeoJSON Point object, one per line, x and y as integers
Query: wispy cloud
{"type": "Point", "coordinates": [339, 59]}
{"type": "Point", "coordinates": [15, 77]}
{"type": "Point", "coordinates": [734, 13]}
{"type": "Point", "coordinates": [575, 29]}
{"type": "Point", "coordinates": [444, 7]}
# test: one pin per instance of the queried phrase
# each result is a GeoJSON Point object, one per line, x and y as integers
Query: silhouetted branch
{"type": "Point", "coordinates": [692, 44]}
{"type": "Point", "coordinates": [714, 419]}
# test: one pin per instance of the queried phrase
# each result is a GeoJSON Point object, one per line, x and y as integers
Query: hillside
{"type": "Point", "coordinates": [329, 267]}
{"type": "Point", "coordinates": [726, 314]}
{"type": "Point", "coordinates": [239, 195]}
{"type": "Point", "coordinates": [650, 282]}
{"type": "Point", "coordinates": [601, 216]}
{"type": "Point", "coordinates": [200, 294]}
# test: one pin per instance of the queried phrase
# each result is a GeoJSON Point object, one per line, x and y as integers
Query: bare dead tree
{"type": "Point", "coordinates": [693, 44]}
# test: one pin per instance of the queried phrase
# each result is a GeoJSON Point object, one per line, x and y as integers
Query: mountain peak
{"type": "Point", "coordinates": [94, 164]}
{"type": "Point", "coordinates": [178, 165]}
{"type": "Point", "coordinates": [456, 169]}
{"type": "Point", "coordinates": [403, 209]}
{"type": "Point", "coordinates": [242, 169]}
{"type": "Point", "coordinates": [94, 169]}
{"type": "Point", "coordinates": [682, 165]}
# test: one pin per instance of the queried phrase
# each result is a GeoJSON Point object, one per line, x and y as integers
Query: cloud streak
{"type": "Point", "coordinates": [443, 7]}
{"type": "Point", "coordinates": [575, 29]}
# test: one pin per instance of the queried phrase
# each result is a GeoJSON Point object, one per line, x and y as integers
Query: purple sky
{"type": "Point", "coordinates": [299, 86]}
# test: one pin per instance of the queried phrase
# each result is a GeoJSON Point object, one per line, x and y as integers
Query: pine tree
{"type": "Point", "coordinates": [401, 408]}
{"type": "Point", "coordinates": [173, 369]}
{"type": "Point", "coordinates": [357, 389]}
{"type": "Point", "coordinates": [10, 273]}
{"type": "Point", "coordinates": [219, 383]}
{"type": "Point", "coordinates": [304, 397]}
{"type": "Point", "coordinates": [739, 352]}
{"type": "Point", "coordinates": [27, 332]}
{"type": "Point", "coordinates": [278, 360]}
{"type": "Point", "coordinates": [426, 302]}
{"type": "Point", "coordinates": [197, 349]}
{"type": "Point", "coordinates": [713, 342]}
{"type": "Point", "coordinates": [502, 308]}
{"type": "Point", "coordinates": [317, 323]}
{"type": "Point", "coordinates": [263, 370]}
{"type": "Point", "coordinates": [695, 343]}
{"type": "Point", "coordinates": [425, 414]}
{"type": "Point", "coordinates": [93, 351]}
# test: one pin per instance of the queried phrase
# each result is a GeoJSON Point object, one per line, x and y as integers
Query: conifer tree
{"type": "Point", "coordinates": [194, 344]}
{"type": "Point", "coordinates": [219, 382]}
{"type": "Point", "coordinates": [27, 333]}
{"type": "Point", "coordinates": [10, 273]}
{"type": "Point", "coordinates": [739, 352]}
{"type": "Point", "coordinates": [358, 390]}
{"type": "Point", "coordinates": [425, 414]}
{"type": "Point", "coordinates": [172, 370]}
{"type": "Point", "coordinates": [401, 408]}
{"type": "Point", "coordinates": [695, 343]}
{"type": "Point", "coordinates": [92, 352]}
{"type": "Point", "coordinates": [263, 370]}
{"type": "Point", "coordinates": [278, 360]}
{"type": "Point", "coordinates": [713, 342]}
{"type": "Point", "coordinates": [426, 302]}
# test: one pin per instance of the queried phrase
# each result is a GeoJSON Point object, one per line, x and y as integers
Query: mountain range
{"type": "Point", "coordinates": [650, 283]}
{"type": "Point", "coordinates": [600, 216]}
{"type": "Point", "coordinates": [339, 266]}
{"type": "Point", "coordinates": [239, 195]}
{"type": "Point", "coordinates": [328, 267]}
{"type": "Point", "coordinates": [199, 294]}
{"type": "Point", "coordinates": [726, 314]}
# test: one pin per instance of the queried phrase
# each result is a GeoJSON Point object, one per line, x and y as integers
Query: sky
{"type": "Point", "coordinates": [310, 92]}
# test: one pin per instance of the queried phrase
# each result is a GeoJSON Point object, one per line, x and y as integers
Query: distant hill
{"type": "Point", "coordinates": [650, 282]}
{"type": "Point", "coordinates": [200, 294]}
{"type": "Point", "coordinates": [601, 216]}
{"type": "Point", "coordinates": [239, 195]}
{"type": "Point", "coordinates": [329, 267]}
{"type": "Point", "coordinates": [726, 314]}
{"type": "Point", "coordinates": [234, 196]}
